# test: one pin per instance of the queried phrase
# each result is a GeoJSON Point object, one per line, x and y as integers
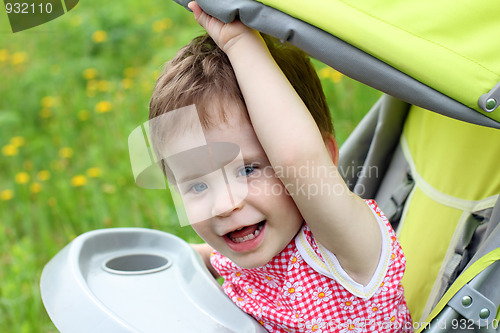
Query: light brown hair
{"type": "Point", "coordinates": [201, 74]}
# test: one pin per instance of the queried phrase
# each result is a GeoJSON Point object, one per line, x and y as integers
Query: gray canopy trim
{"type": "Point", "coordinates": [372, 162]}
{"type": "Point", "coordinates": [342, 56]}
{"type": "Point", "coordinates": [366, 154]}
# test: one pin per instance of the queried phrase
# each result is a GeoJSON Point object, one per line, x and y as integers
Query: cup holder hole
{"type": "Point", "coordinates": [137, 264]}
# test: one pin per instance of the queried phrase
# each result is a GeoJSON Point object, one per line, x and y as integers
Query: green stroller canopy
{"type": "Point", "coordinates": [439, 55]}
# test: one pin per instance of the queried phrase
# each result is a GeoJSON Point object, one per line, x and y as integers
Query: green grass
{"type": "Point", "coordinates": [69, 99]}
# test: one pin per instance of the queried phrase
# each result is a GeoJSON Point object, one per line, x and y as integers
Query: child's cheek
{"type": "Point", "coordinates": [203, 230]}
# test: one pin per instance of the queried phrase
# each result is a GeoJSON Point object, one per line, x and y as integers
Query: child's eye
{"type": "Point", "coordinates": [246, 170]}
{"type": "Point", "coordinates": [199, 187]}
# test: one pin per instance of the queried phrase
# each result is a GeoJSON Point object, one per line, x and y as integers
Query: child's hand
{"type": "Point", "coordinates": [204, 250]}
{"type": "Point", "coordinates": [224, 35]}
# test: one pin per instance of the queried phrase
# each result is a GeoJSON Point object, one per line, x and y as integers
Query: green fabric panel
{"type": "Point", "coordinates": [458, 164]}
{"type": "Point", "coordinates": [427, 230]}
{"type": "Point", "coordinates": [498, 316]}
{"type": "Point", "coordinates": [452, 46]}
{"type": "Point", "coordinates": [454, 157]}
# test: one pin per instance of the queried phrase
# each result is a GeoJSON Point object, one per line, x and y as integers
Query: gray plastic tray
{"type": "Point", "coordinates": [136, 280]}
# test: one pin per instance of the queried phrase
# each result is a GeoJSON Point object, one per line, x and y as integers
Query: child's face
{"type": "Point", "coordinates": [267, 216]}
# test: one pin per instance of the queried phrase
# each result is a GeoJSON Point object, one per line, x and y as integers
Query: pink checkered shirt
{"type": "Point", "coordinates": [304, 289]}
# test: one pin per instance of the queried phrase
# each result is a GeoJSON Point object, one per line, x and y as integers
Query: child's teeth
{"type": "Point", "coordinates": [247, 237]}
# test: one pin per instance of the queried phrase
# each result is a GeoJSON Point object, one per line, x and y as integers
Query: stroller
{"type": "Point", "coordinates": [432, 172]}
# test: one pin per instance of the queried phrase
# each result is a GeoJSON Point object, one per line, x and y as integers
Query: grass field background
{"type": "Point", "coordinates": [71, 92]}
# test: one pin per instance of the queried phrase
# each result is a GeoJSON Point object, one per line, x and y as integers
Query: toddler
{"type": "Point", "coordinates": [298, 251]}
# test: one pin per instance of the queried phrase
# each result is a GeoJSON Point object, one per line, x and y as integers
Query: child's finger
{"type": "Point", "coordinates": [200, 16]}
{"type": "Point", "coordinates": [193, 5]}
{"type": "Point", "coordinates": [221, 33]}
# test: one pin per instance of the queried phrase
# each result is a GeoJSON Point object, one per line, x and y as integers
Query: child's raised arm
{"type": "Point", "coordinates": [339, 220]}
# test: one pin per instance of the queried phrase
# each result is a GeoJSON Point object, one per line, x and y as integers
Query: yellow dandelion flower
{"type": "Point", "coordinates": [35, 188]}
{"type": "Point", "coordinates": [90, 73]}
{"type": "Point", "coordinates": [94, 172]}
{"type": "Point", "coordinates": [78, 180]}
{"type": "Point", "coordinates": [4, 55]}
{"type": "Point", "coordinates": [17, 141]}
{"type": "Point", "coordinates": [126, 83]}
{"type": "Point", "coordinates": [9, 150]}
{"type": "Point", "coordinates": [66, 152]}
{"type": "Point", "coordinates": [129, 72]}
{"type": "Point", "coordinates": [103, 85]}
{"type": "Point", "coordinates": [6, 195]}
{"type": "Point", "coordinates": [157, 26]}
{"type": "Point", "coordinates": [22, 178]}
{"type": "Point", "coordinates": [336, 76]}
{"type": "Point", "coordinates": [99, 36]}
{"type": "Point", "coordinates": [43, 175]}
{"type": "Point", "coordinates": [103, 106]}
{"type": "Point", "coordinates": [330, 73]}
{"type": "Point", "coordinates": [45, 113]}
{"type": "Point", "coordinates": [324, 72]}
{"type": "Point", "coordinates": [163, 24]}
{"type": "Point", "coordinates": [19, 58]}
{"type": "Point", "coordinates": [48, 101]}
{"type": "Point", "coordinates": [83, 115]}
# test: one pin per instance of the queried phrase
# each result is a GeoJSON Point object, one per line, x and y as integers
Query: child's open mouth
{"type": "Point", "coordinates": [245, 238]}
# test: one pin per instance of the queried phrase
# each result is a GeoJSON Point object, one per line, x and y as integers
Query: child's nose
{"type": "Point", "coordinates": [224, 205]}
